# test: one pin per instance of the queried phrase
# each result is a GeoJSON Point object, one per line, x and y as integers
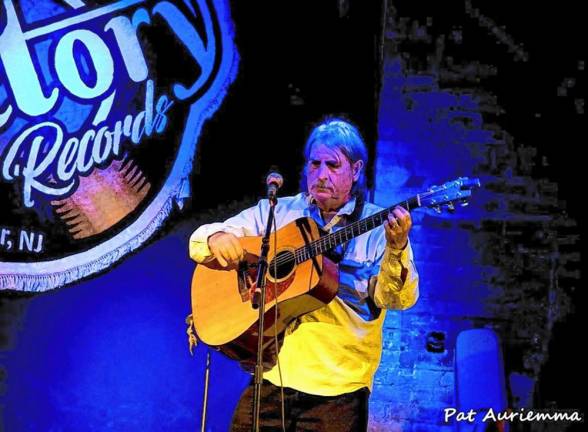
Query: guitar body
{"type": "Point", "coordinates": [222, 311]}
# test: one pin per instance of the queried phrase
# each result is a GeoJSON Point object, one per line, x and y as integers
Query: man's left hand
{"type": "Point", "coordinates": [397, 227]}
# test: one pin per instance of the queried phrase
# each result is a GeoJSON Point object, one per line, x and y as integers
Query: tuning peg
{"type": "Point", "coordinates": [450, 206]}
{"type": "Point", "coordinates": [464, 202]}
{"type": "Point", "coordinates": [467, 183]}
{"type": "Point", "coordinates": [437, 209]}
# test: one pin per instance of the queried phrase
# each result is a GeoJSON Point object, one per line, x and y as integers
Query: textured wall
{"type": "Point", "coordinates": [507, 262]}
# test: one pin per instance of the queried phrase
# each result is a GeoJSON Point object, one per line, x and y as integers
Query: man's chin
{"type": "Point", "coordinates": [325, 200]}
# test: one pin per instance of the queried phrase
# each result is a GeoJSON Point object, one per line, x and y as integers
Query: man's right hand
{"type": "Point", "coordinates": [226, 248]}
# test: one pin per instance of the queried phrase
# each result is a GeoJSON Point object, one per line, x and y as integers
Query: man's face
{"type": "Point", "coordinates": [330, 176]}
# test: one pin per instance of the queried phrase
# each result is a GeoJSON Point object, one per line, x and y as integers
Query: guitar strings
{"type": "Point", "coordinates": [325, 243]}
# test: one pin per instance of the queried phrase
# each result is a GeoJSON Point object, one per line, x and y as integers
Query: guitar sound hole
{"type": "Point", "coordinates": [285, 265]}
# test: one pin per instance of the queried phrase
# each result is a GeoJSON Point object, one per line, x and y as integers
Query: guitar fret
{"type": "Point", "coordinates": [302, 255]}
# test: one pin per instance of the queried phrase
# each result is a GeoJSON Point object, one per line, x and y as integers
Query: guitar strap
{"type": "Point", "coordinates": [337, 254]}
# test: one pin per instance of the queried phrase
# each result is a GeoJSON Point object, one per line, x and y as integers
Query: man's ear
{"type": "Point", "coordinates": [357, 166]}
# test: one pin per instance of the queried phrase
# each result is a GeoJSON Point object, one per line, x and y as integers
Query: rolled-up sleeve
{"type": "Point", "coordinates": [247, 223]}
{"type": "Point", "coordinates": [397, 284]}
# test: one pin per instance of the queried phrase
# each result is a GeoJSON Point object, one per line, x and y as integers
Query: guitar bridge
{"type": "Point", "coordinates": [243, 280]}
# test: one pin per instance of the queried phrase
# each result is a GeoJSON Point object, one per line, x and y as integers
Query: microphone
{"type": "Point", "coordinates": [274, 181]}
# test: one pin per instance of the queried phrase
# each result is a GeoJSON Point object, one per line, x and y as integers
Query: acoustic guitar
{"type": "Point", "coordinates": [300, 278]}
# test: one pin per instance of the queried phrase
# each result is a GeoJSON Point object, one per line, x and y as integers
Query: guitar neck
{"type": "Point", "coordinates": [357, 228]}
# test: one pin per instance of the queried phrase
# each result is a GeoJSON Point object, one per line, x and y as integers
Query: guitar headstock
{"type": "Point", "coordinates": [450, 194]}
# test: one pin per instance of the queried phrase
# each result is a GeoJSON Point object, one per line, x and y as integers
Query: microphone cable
{"type": "Point", "coordinates": [282, 407]}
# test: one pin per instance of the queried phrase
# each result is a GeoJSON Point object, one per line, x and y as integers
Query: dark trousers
{"type": "Point", "coordinates": [303, 411]}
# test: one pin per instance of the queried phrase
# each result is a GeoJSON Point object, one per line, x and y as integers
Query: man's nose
{"type": "Point", "coordinates": [323, 172]}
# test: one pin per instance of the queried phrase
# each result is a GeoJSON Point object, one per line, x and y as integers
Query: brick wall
{"type": "Point", "coordinates": [506, 262]}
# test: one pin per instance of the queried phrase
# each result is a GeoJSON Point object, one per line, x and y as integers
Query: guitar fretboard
{"type": "Point", "coordinates": [357, 228]}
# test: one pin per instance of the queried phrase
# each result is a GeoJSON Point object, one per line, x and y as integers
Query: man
{"type": "Point", "coordinates": [329, 356]}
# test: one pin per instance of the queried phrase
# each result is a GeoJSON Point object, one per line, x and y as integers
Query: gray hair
{"type": "Point", "coordinates": [338, 134]}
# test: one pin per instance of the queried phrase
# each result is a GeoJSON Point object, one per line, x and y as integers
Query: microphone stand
{"type": "Point", "coordinates": [258, 302]}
